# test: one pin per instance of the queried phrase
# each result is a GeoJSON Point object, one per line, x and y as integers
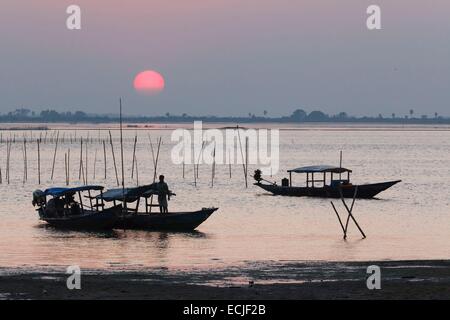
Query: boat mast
{"type": "Point", "coordinates": [121, 152]}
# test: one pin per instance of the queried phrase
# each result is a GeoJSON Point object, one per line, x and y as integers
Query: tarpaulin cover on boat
{"type": "Point", "coordinates": [320, 168]}
{"type": "Point", "coordinates": [129, 194]}
{"type": "Point", "coordinates": [58, 192]}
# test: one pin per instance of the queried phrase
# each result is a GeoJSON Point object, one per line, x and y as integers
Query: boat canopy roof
{"type": "Point", "coordinates": [59, 192]}
{"type": "Point", "coordinates": [129, 194]}
{"type": "Point", "coordinates": [320, 168]}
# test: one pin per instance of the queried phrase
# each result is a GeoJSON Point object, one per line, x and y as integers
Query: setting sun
{"type": "Point", "coordinates": [149, 82]}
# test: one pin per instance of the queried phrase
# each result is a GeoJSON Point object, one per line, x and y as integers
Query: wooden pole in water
{"type": "Point", "coordinates": [23, 155]}
{"type": "Point", "coordinates": [351, 210]}
{"type": "Point", "coordinates": [339, 218]}
{"type": "Point", "coordinates": [151, 149]}
{"type": "Point", "coordinates": [86, 157]}
{"type": "Point", "coordinates": [25, 158]}
{"type": "Point", "coordinates": [198, 160]}
{"type": "Point", "coordinates": [65, 167]}
{"type": "Point", "coordinates": [229, 163]}
{"type": "Point", "coordinates": [134, 157]}
{"type": "Point", "coordinates": [157, 159]}
{"type": "Point", "coordinates": [95, 161]}
{"type": "Point", "coordinates": [121, 156]}
{"type": "Point", "coordinates": [54, 155]}
{"type": "Point", "coordinates": [68, 166]}
{"type": "Point", "coordinates": [242, 156]}
{"type": "Point", "coordinates": [9, 160]}
{"type": "Point", "coordinates": [213, 169]}
{"type": "Point", "coordinates": [351, 215]}
{"type": "Point", "coordinates": [137, 171]}
{"type": "Point", "coordinates": [183, 169]}
{"type": "Point", "coordinates": [340, 165]}
{"type": "Point", "coordinates": [195, 176]}
{"type": "Point", "coordinates": [114, 157]}
{"type": "Point", "coordinates": [81, 159]}
{"type": "Point", "coordinates": [39, 160]}
{"type": "Point", "coordinates": [155, 170]}
{"type": "Point", "coordinates": [81, 169]}
{"type": "Point", "coordinates": [246, 162]}
{"type": "Point", "coordinates": [104, 156]}
{"type": "Point", "coordinates": [6, 163]}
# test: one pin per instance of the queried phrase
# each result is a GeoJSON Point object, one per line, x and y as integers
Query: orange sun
{"type": "Point", "coordinates": [149, 82]}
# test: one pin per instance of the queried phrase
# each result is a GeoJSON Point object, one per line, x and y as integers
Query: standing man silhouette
{"type": "Point", "coordinates": [163, 194]}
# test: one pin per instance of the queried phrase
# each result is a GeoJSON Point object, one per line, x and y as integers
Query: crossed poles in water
{"type": "Point", "coordinates": [349, 211]}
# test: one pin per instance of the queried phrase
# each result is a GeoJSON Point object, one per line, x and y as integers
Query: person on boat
{"type": "Point", "coordinates": [163, 194]}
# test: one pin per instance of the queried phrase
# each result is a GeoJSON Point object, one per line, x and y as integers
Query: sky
{"type": "Point", "coordinates": [227, 57]}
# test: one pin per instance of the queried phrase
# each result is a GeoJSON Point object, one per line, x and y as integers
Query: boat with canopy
{"type": "Point", "coordinates": [62, 210]}
{"type": "Point", "coordinates": [132, 218]}
{"type": "Point", "coordinates": [323, 181]}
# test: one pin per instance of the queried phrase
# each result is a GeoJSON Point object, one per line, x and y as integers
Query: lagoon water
{"type": "Point", "coordinates": [409, 221]}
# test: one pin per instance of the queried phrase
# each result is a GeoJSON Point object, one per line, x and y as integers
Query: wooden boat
{"type": "Point", "coordinates": [172, 221]}
{"type": "Point", "coordinates": [132, 218]}
{"type": "Point", "coordinates": [62, 211]}
{"type": "Point", "coordinates": [320, 188]}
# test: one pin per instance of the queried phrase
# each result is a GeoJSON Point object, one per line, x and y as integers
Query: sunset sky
{"type": "Point", "coordinates": [227, 57]}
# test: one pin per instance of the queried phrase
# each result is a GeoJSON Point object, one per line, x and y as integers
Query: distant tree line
{"type": "Point", "coordinates": [298, 116]}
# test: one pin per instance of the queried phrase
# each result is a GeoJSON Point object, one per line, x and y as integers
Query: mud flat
{"type": "Point", "coordinates": [254, 280]}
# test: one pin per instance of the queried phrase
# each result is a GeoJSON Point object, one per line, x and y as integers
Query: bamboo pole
{"type": "Point", "coordinates": [229, 164]}
{"type": "Point", "coordinates": [351, 215]}
{"type": "Point", "coordinates": [86, 158]}
{"type": "Point", "coordinates": [137, 171]}
{"type": "Point", "coordinates": [68, 166]}
{"type": "Point", "coordinates": [134, 157]}
{"type": "Point", "coordinates": [54, 156]}
{"type": "Point", "coordinates": [81, 159]}
{"type": "Point", "coordinates": [121, 157]}
{"type": "Point", "coordinates": [339, 218]}
{"type": "Point", "coordinates": [65, 167]}
{"type": "Point", "coordinates": [157, 159]}
{"type": "Point", "coordinates": [95, 162]}
{"type": "Point", "coordinates": [104, 155]}
{"type": "Point", "coordinates": [114, 157]}
{"type": "Point", "coordinates": [39, 161]}
{"type": "Point", "coordinates": [213, 169]}
{"type": "Point", "coordinates": [8, 157]}
{"type": "Point", "coordinates": [246, 162]}
{"type": "Point", "coordinates": [183, 170]}
{"type": "Point", "coordinates": [195, 177]}
{"type": "Point", "coordinates": [351, 210]}
{"type": "Point", "coordinates": [151, 148]}
{"type": "Point", "coordinates": [198, 160]}
{"type": "Point", "coordinates": [155, 170]}
{"type": "Point", "coordinates": [6, 164]}
{"type": "Point", "coordinates": [242, 156]}
{"type": "Point", "coordinates": [25, 158]}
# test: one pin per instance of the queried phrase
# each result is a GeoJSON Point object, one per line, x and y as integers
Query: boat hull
{"type": "Point", "coordinates": [175, 221]}
{"type": "Point", "coordinates": [365, 191]}
{"type": "Point", "coordinates": [90, 220]}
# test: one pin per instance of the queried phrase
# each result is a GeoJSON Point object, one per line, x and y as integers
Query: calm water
{"type": "Point", "coordinates": [409, 221]}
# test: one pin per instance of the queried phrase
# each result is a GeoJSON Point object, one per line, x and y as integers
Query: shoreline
{"type": "Point", "coordinates": [284, 126]}
{"type": "Point", "coordinates": [413, 279]}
